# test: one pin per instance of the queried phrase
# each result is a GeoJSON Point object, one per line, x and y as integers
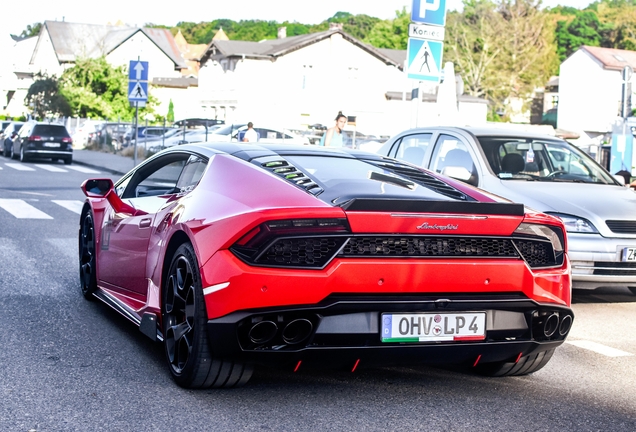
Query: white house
{"type": "Point", "coordinates": [307, 79]}
{"type": "Point", "coordinates": [60, 44]}
{"type": "Point", "coordinates": [590, 89]}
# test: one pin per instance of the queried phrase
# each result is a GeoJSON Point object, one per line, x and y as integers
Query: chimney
{"type": "Point", "coordinates": [282, 32]}
{"type": "Point", "coordinates": [335, 26]}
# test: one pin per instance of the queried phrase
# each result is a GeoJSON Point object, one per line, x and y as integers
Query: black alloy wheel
{"type": "Point", "coordinates": [87, 264]}
{"type": "Point", "coordinates": [184, 317]}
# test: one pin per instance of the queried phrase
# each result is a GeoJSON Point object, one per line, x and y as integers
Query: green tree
{"type": "Point", "coordinates": [584, 29]}
{"type": "Point", "coordinates": [95, 89]}
{"type": "Point", "coordinates": [44, 97]}
{"type": "Point", "coordinates": [170, 115]}
{"type": "Point", "coordinates": [31, 30]}
{"type": "Point", "coordinates": [501, 68]}
{"type": "Point", "coordinates": [393, 34]}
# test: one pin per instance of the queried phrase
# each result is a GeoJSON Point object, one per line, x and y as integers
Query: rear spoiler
{"type": "Point", "coordinates": [423, 206]}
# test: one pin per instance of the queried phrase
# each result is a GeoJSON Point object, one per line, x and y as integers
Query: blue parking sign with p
{"type": "Point", "coordinates": [429, 12]}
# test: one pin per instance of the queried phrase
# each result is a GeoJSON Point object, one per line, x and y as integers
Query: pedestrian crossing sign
{"type": "Point", "coordinates": [137, 91]}
{"type": "Point", "coordinates": [424, 59]}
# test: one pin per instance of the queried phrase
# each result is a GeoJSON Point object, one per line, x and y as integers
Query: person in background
{"type": "Point", "coordinates": [250, 134]}
{"type": "Point", "coordinates": [333, 137]}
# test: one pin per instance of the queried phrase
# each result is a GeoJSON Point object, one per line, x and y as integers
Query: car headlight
{"type": "Point", "coordinates": [574, 224]}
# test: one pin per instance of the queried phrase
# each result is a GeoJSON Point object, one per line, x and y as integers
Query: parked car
{"type": "Point", "coordinates": [83, 134]}
{"type": "Point", "coordinates": [38, 140]}
{"type": "Point", "coordinates": [266, 135]}
{"type": "Point", "coordinates": [7, 136]}
{"type": "Point", "coordinates": [109, 133]}
{"type": "Point", "coordinates": [145, 133]}
{"type": "Point", "coordinates": [547, 174]}
{"type": "Point", "coordinates": [234, 254]}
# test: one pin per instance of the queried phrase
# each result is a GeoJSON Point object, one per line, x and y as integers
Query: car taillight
{"type": "Point", "coordinates": [540, 245]}
{"type": "Point", "coordinates": [35, 138]}
{"type": "Point", "coordinates": [67, 140]}
{"type": "Point", "coordinates": [296, 243]}
{"type": "Point", "coordinates": [292, 227]}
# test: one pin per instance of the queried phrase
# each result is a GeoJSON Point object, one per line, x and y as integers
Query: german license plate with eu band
{"type": "Point", "coordinates": [433, 327]}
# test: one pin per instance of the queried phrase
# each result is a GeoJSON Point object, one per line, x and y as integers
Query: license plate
{"type": "Point", "coordinates": [51, 144]}
{"type": "Point", "coordinates": [629, 254]}
{"type": "Point", "coordinates": [434, 327]}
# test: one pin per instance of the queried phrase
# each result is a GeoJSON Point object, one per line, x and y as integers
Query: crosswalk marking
{"type": "Point", "coordinates": [82, 169]}
{"type": "Point", "coordinates": [599, 348]}
{"type": "Point", "coordinates": [72, 205]}
{"type": "Point", "coordinates": [19, 167]}
{"type": "Point", "coordinates": [51, 168]}
{"type": "Point", "coordinates": [22, 210]}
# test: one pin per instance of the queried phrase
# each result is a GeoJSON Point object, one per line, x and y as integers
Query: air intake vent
{"type": "Point", "coordinates": [285, 170]}
{"type": "Point", "coordinates": [622, 227]}
{"type": "Point", "coordinates": [401, 246]}
{"type": "Point", "coordinates": [421, 178]}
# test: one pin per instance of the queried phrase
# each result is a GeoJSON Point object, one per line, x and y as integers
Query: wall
{"type": "Point", "coordinates": [589, 96]}
{"type": "Point", "coordinates": [140, 46]}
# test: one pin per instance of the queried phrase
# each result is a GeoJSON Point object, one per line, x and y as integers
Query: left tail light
{"type": "Point", "coordinates": [308, 243]}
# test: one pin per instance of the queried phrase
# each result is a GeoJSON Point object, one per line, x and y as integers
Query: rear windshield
{"type": "Point", "coordinates": [50, 130]}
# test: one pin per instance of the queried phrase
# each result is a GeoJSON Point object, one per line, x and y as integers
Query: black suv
{"type": "Point", "coordinates": [43, 140]}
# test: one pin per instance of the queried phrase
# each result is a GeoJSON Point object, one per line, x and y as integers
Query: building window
{"type": "Point", "coordinates": [306, 80]}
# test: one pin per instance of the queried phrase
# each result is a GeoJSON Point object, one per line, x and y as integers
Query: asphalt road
{"type": "Point", "coordinates": [70, 364]}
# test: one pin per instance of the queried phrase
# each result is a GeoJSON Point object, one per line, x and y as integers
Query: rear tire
{"type": "Point", "coordinates": [12, 153]}
{"type": "Point", "coordinates": [184, 320]}
{"type": "Point", "coordinates": [68, 161]}
{"type": "Point", "coordinates": [23, 156]}
{"type": "Point", "coordinates": [525, 365]}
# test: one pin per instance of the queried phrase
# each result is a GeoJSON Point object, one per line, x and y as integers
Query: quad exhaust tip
{"type": "Point", "coordinates": [551, 325]}
{"type": "Point", "coordinates": [263, 332]}
{"type": "Point", "coordinates": [297, 331]}
{"type": "Point", "coordinates": [566, 324]}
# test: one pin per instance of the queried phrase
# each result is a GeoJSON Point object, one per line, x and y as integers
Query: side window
{"type": "Point", "coordinates": [24, 131]}
{"type": "Point", "coordinates": [191, 174]}
{"type": "Point", "coordinates": [413, 148]}
{"type": "Point", "coordinates": [157, 178]}
{"type": "Point", "coordinates": [451, 158]}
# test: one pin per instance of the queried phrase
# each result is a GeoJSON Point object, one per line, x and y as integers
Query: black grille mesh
{"type": "Point", "coordinates": [536, 253]}
{"type": "Point", "coordinates": [428, 246]}
{"type": "Point", "coordinates": [311, 252]}
{"type": "Point", "coordinates": [622, 226]}
{"type": "Point", "coordinates": [619, 268]}
{"type": "Point", "coordinates": [316, 252]}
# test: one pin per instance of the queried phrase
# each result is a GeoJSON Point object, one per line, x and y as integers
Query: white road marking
{"type": "Point", "coordinates": [599, 348]}
{"type": "Point", "coordinates": [19, 167]}
{"type": "Point", "coordinates": [82, 169]}
{"type": "Point", "coordinates": [73, 205]}
{"type": "Point", "coordinates": [51, 168]}
{"type": "Point", "coordinates": [35, 193]}
{"type": "Point", "coordinates": [22, 210]}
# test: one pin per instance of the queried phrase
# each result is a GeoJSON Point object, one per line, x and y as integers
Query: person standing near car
{"type": "Point", "coordinates": [333, 137]}
{"type": "Point", "coordinates": [250, 134]}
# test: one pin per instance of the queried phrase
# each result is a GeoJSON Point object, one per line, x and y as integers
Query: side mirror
{"type": "Point", "coordinates": [104, 188]}
{"type": "Point", "coordinates": [619, 178]}
{"type": "Point", "coordinates": [97, 188]}
{"type": "Point", "coordinates": [457, 172]}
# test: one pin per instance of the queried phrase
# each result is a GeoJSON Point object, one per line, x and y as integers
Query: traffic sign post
{"type": "Point", "coordinates": [429, 12]}
{"type": "Point", "coordinates": [425, 43]}
{"type": "Point", "coordinates": [424, 59]}
{"type": "Point", "coordinates": [137, 92]}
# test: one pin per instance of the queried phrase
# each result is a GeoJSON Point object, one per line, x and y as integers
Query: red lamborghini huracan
{"type": "Point", "coordinates": [236, 254]}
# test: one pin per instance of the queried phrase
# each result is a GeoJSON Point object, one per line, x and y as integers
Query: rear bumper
{"type": "Point", "coordinates": [37, 153]}
{"type": "Point", "coordinates": [345, 329]}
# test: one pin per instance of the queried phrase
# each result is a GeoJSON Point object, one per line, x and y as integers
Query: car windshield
{"type": "Point", "coordinates": [542, 160]}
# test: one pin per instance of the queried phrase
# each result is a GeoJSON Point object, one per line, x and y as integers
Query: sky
{"type": "Point", "coordinates": [21, 14]}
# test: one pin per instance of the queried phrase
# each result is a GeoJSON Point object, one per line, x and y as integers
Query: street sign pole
{"type": "Point", "coordinates": [137, 93]}
{"type": "Point", "coordinates": [136, 132]}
